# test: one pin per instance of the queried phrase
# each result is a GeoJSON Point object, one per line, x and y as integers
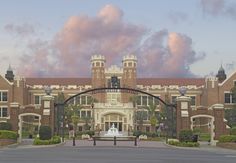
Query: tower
{"type": "Point", "coordinates": [98, 75]}
{"type": "Point", "coordinates": [9, 75]}
{"type": "Point", "coordinates": [129, 63]}
{"type": "Point", "coordinates": [221, 74]}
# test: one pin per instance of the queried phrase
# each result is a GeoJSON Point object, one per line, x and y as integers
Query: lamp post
{"type": "Point", "coordinates": [92, 107]}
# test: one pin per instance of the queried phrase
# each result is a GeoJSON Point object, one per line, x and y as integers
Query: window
{"type": "Point", "coordinates": [89, 114]}
{"type": "Point", "coordinates": [89, 100]}
{"type": "Point", "coordinates": [173, 99]}
{"type": "Point", "coordinates": [156, 102]}
{"type": "Point", "coordinates": [150, 100]}
{"type": "Point", "coordinates": [83, 114]}
{"type": "Point", "coordinates": [83, 100]}
{"type": "Point", "coordinates": [139, 99]}
{"type": "Point", "coordinates": [3, 96]}
{"type": "Point", "coordinates": [229, 98]}
{"type": "Point", "coordinates": [144, 101]}
{"type": "Point", "coordinates": [37, 99]}
{"type": "Point", "coordinates": [3, 111]}
{"type": "Point", "coordinates": [142, 115]}
{"type": "Point", "coordinates": [77, 100]}
{"type": "Point", "coordinates": [193, 100]}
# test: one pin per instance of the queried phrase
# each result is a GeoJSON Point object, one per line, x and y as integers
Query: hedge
{"type": "Point", "coordinates": [53, 140]}
{"type": "Point", "coordinates": [227, 138]}
{"type": "Point", "coordinates": [5, 126]}
{"type": "Point", "coordinates": [45, 133]}
{"type": "Point", "coordinates": [5, 134]}
{"type": "Point", "coordinates": [233, 131]}
{"type": "Point", "coordinates": [186, 136]}
{"type": "Point", "coordinates": [184, 144]}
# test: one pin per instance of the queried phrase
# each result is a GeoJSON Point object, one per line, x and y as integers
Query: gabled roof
{"type": "Point", "coordinates": [58, 81]}
{"type": "Point", "coordinates": [171, 81]}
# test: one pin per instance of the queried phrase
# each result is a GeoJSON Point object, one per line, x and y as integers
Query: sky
{"type": "Point", "coordinates": [171, 39]}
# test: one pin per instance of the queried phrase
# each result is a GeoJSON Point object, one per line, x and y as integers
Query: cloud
{"type": "Point", "coordinates": [20, 30]}
{"type": "Point", "coordinates": [161, 54]}
{"type": "Point", "coordinates": [219, 8]}
{"type": "Point", "coordinates": [170, 59]}
{"type": "Point", "coordinates": [213, 7]}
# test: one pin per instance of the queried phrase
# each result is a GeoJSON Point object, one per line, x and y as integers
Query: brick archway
{"type": "Point", "coordinates": [20, 122]}
{"type": "Point", "coordinates": [185, 115]}
{"type": "Point", "coordinates": [212, 130]}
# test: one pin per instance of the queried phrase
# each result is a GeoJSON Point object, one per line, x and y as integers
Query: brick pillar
{"type": "Point", "coordinates": [14, 112]}
{"type": "Point", "coordinates": [219, 123]}
{"type": "Point", "coordinates": [183, 114]}
{"type": "Point", "coordinates": [48, 111]}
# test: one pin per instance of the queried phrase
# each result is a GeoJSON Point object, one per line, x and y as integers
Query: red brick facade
{"type": "Point", "coordinates": [25, 95]}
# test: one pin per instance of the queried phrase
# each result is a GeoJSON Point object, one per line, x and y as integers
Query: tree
{"type": "Point", "coordinates": [72, 115]}
{"type": "Point", "coordinates": [140, 116]}
{"type": "Point", "coordinates": [152, 115]}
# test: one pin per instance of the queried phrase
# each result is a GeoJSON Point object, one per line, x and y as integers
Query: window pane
{"type": "Point", "coordinates": [89, 100]}
{"type": "Point", "coordinates": [4, 96]}
{"type": "Point", "coordinates": [144, 101]}
{"type": "Point", "coordinates": [139, 100]}
{"type": "Point", "coordinates": [89, 114]}
{"type": "Point", "coordinates": [4, 112]}
{"type": "Point", "coordinates": [83, 100]}
{"type": "Point", "coordinates": [77, 100]}
{"type": "Point", "coordinates": [83, 114]}
{"type": "Point", "coordinates": [227, 98]}
{"type": "Point", "coordinates": [150, 100]}
{"type": "Point", "coordinates": [233, 98]}
{"type": "Point", "coordinates": [193, 100]}
{"type": "Point", "coordinates": [37, 100]}
{"type": "Point", "coordinates": [156, 101]}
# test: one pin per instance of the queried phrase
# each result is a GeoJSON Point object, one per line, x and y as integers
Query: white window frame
{"type": "Point", "coordinates": [231, 97]}
{"type": "Point", "coordinates": [40, 99]}
{"type": "Point", "coordinates": [1, 96]}
{"type": "Point", "coordinates": [1, 108]}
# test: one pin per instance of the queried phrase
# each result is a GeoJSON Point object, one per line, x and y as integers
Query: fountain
{"type": "Point", "coordinates": [113, 132]}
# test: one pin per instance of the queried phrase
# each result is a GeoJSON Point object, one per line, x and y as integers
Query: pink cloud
{"type": "Point", "coordinates": [162, 54]}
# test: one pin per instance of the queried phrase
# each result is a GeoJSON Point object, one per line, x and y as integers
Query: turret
{"type": "Point", "coordinates": [129, 66]}
{"type": "Point", "coordinates": [9, 75]}
{"type": "Point", "coordinates": [98, 74]}
{"type": "Point", "coordinates": [221, 74]}
{"type": "Point", "coordinates": [129, 63]}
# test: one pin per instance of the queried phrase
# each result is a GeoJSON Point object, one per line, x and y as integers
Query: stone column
{"type": "Point", "coordinates": [48, 111]}
{"type": "Point", "coordinates": [183, 115]}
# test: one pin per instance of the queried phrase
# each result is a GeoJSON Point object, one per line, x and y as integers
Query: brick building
{"type": "Point", "coordinates": [23, 101]}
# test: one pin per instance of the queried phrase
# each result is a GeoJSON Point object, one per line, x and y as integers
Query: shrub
{"type": "Point", "coordinates": [45, 133]}
{"type": "Point", "coordinates": [233, 131]}
{"type": "Point", "coordinates": [53, 140]}
{"type": "Point", "coordinates": [5, 126]}
{"type": "Point", "coordinates": [5, 134]}
{"type": "Point", "coordinates": [227, 138]}
{"type": "Point", "coordinates": [183, 144]}
{"type": "Point", "coordinates": [90, 133]}
{"type": "Point", "coordinates": [185, 136]}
